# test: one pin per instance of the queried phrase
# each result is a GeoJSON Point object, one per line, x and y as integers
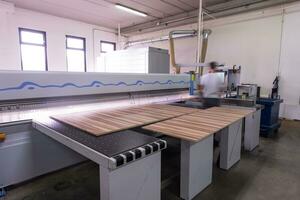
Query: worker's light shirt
{"type": "Point", "coordinates": [212, 84]}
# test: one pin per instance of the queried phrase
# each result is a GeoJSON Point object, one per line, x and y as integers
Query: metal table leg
{"type": "Point", "coordinates": [230, 145]}
{"type": "Point", "coordinates": [139, 180]}
{"type": "Point", "coordinates": [196, 167]}
{"type": "Point", "coordinates": [252, 129]}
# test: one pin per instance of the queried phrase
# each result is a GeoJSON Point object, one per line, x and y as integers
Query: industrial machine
{"type": "Point", "coordinates": [139, 60]}
{"type": "Point", "coordinates": [247, 91]}
{"type": "Point", "coordinates": [270, 122]}
{"type": "Point", "coordinates": [29, 100]}
{"type": "Point", "coordinates": [233, 78]}
{"type": "Point", "coordinates": [43, 145]}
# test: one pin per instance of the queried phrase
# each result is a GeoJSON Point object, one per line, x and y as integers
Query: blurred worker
{"type": "Point", "coordinates": [211, 86]}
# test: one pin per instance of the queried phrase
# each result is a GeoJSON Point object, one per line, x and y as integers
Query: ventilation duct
{"type": "Point", "coordinates": [205, 34]}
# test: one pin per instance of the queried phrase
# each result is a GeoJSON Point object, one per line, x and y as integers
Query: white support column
{"type": "Point", "coordinates": [139, 180]}
{"type": "Point", "coordinates": [196, 167]}
{"type": "Point", "coordinates": [252, 129]}
{"type": "Point", "coordinates": [200, 26]}
{"type": "Point", "coordinates": [230, 145]}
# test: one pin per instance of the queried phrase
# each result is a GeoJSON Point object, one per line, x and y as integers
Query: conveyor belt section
{"type": "Point", "coordinates": [135, 154]}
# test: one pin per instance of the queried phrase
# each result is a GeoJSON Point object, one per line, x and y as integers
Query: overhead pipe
{"type": "Point", "coordinates": [199, 42]}
{"type": "Point", "coordinates": [172, 46]}
{"type": "Point", "coordinates": [119, 37]}
{"type": "Point", "coordinates": [205, 34]}
{"type": "Point", "coordinates": [158, 39]}
{"type": "Point", "coordinates": [201, 47]}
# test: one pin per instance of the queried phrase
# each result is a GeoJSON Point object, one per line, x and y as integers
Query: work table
{"type": "Point", "coordinates": [17, 115]}
{"type": "Point", "coordinates": [198, 125]}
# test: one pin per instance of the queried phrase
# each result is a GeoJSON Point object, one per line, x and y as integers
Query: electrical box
{"type": "Point", "coordinates": [148, 60]}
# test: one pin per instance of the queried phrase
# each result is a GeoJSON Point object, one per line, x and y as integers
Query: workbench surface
{"type": "Point", "coordinates": [100, 123]}
{"type": "Point", "coordinates": [109, 145]}
{"type": "Point", "coordinates": [195, 126]}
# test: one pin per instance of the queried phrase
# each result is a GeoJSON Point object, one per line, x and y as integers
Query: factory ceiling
{"type": "Point", "coordinates": [161, 13]}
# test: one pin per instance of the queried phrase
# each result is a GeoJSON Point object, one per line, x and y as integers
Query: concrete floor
{"type": "Point", "coordinates": [272, 171]}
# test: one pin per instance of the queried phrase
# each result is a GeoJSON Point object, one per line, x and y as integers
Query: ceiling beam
{"type": "Point", "coordinates": [191, 16]}
{"type": "Point", "coordinates": [231, 4]}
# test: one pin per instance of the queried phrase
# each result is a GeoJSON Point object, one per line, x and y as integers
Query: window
{"type": "Point", "coordinates": [107, 46]}
{"type": "Point", "coordinates": [76, 60]}
{"type": "Point", "coordinates": [33, 49]}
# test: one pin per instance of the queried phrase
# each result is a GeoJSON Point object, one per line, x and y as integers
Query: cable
{"type": "Point", "coordinates": [281, 39]}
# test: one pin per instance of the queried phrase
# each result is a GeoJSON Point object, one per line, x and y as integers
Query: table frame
{"type": "Point", "coordinates": [121, 183]}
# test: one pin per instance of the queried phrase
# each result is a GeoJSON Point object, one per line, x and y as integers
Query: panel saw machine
{"type": "Point", "coordinates": [43, 145]}
{"type": "Point", "coordinates": [30, 134]}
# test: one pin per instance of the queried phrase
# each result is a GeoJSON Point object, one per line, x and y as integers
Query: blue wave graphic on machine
{"type": "Point", "coordinates": [31, 85]}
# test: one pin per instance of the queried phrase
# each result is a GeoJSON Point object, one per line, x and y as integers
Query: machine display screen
{"type": "Point", "coordinates": [221, 75]}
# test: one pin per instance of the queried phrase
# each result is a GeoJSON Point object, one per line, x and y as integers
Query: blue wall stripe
{"type": "Point", "coordinates": [31, 85]}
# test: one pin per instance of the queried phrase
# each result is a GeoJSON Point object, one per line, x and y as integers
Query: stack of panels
{"type": "Point", "coordinates": [195, 126]}
{"type": "Point", "coordinates": [100, 123]}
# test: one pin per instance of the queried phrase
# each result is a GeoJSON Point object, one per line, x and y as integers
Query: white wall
{"type": "Point", "coordinates": [253, 41]}
{"type": "Point", "coordinates": [290, 66]}
{"type": "Point", "coordinates": [255, 45]}
{"type": "Point", "coordinates": [56, 28]}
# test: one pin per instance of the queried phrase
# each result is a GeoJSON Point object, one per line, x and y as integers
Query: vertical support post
{"type": "Point", "coordinates": [192, 81]}
{"type": "Point", "coordinates": [119, 37]}
{"type": "Point", "coordinates": [199, 43]}
{"type": "Point", "coordinates": [252, 129]}
{"type": "Point", "coordinates": [139, 180]}
{"type": "Point", "coordinates": [196, 167]}
{"type": "Point", "coordinates": [230, 145]}
{"type": "Point", "coordinates": [2, 191]}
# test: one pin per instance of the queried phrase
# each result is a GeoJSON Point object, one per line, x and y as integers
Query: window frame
{"type": "Point", "coordinates": [107, 42]}
{"type": "Point", "coordinates": [33, 44]}
{"type": "Point", "coordinates": [71, 48]}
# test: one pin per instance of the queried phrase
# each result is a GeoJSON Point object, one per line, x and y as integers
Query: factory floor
{"type": "Point", "coordinates": [272, 171]}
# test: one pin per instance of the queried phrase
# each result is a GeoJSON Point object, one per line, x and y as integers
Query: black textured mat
{"type": "Point", "coordinates": [109, 145]}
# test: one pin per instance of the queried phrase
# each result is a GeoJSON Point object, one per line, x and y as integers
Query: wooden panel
{"type": "Point", "coordinates": [104, 122]}
{"type": "Point", "coordinates": [186, 127]}
{"type": "Point", "coordinates": [197, 125]}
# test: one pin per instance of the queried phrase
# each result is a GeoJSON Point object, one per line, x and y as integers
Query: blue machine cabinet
{"type": "Point", "coordinates": [269, 123]}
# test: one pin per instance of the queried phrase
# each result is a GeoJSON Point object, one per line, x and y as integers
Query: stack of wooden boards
{"type": "Point", "coordinates": [199, 125]}
{"type": "Point", "coordinates": [104, 122]}
{"type": "Point", "coordinates": [181, 122]}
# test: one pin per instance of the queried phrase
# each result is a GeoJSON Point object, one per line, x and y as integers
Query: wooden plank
{"type": "Point", "coordinates": [173, 131]}
{"type": "Point", "coordinates": [192, 127]}
{"type": "Point", "coordinates": [104, 122]}
{"type": "Point", "coordinates": [197, 125]}
{"type": "Point", "coordinates": [213, 117]}
{"type": "Point", "coordinates": [237, 111]}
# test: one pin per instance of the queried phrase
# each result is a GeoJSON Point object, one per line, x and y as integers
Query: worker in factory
{"type": "Point", "coordinates": [211, 85]}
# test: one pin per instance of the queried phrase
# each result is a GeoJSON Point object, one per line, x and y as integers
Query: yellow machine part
{"type": "Point", "coordinates": [172, 55]}
{"type": "Point", "coordinates": [2, 137]}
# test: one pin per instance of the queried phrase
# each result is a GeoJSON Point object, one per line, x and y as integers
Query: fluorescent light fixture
{"type": "Point", "coordinates": [131, 10]}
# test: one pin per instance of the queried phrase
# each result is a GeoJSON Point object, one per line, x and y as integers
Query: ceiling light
{"type": "Point", "coordinates": [131, 10]}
